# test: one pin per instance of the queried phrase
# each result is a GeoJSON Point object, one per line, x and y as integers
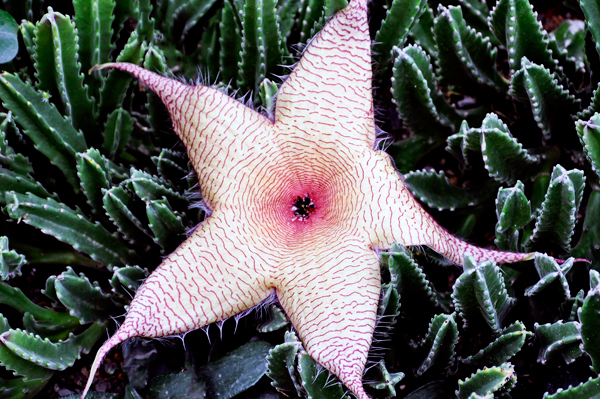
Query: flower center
{"type": "Point", "coordinates": [302, 208]}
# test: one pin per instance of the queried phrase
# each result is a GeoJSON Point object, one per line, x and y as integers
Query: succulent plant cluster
{"type": "Point", "coordinates": [94, 186]}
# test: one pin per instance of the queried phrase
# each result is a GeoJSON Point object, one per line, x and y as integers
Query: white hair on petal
{"type": "Point", "coordinates": [330, 381]}
{"type": "Point", "coordinates": [374, 56]}
{"type": "Point", "coordinates": [370, 365]}
{"type": "Point", "coordinates": [205, 329]}
{"type": "Point", "coordinates": [246, 99]}
{"type": "Point", "coordinates": [117, 322]}
{"type": "Point", "coordinates": [203, 79]}
{"type": "Point", "coordinates": [320, 369]}
{"type": "Point", "coordinates": [201, 205]}
{"type": "Point", "coordinates": [167, 340]}
{"type": "Point", "coordinates": [191, 230]}
{"type": "Point", "coordinates": [126, 289]}
{"type": "Point", "coordinates": [260, 308]}
{"type": "Point", "coordinates": [382, 139]}
{"type": "Point", "coordinates": [417, 248]}
{"type": "Point", "coordinates": [378, 251]}
{"type": "Point", "coordinates": [219, 324]}
{"type": "Point", "coordinates": [347, 392]}
{"type": "Point", "coordinates": [442, 261]}
{"type": "Point", "coordinates": [373, 44]}
{"type": "Point", "coordinates": [381, 335]}
{"type": "Point", "coordinates": [299, 48]}
{"type": "Point", "coordinates": [269, 111]}
{"type": "Point", "coordinates": [194, 196]}
{"type": "Point", "coordinates": [281, 78]}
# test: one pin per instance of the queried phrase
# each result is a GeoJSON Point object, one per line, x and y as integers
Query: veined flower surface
{"type": "Point", "coordinates": [320, 259]}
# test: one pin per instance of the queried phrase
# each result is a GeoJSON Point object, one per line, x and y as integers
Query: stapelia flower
{"type": "Point", "coordinates": [300, 204]}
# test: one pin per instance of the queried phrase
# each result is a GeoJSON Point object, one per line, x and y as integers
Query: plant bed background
{"type": "Point", "coordinates": [96, 151]}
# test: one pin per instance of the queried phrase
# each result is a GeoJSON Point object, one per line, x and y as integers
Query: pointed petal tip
{"type": "Point", "coordinates": [107, 65]}
{"type": "Point", "coordinates": [511, 257]}
{"type": "Point", "coordinates": [151, 80]}
{"type": "Point", "coordinates": [113, 341]}
{"type": "Point", "coordinates": [359, 391]}
{"type": "Point", "coordinates": [133, 69]}
{"type": "Point", "coordinates": [561, 261]}
{"type": "Point", "coordinates": [529, 256]}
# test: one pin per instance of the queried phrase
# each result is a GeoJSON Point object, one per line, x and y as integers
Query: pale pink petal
{"type": "Point", "coordinates": [217, 130]}
{"type": "Point", "coordinates": [328, 96]}
{"type": "Point", "coordinates": [213, 275]}
{"type": "Point", "coordinates": [334, 308]}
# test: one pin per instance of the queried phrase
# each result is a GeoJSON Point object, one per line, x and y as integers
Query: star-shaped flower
{"type": "Point", "coordinates": [300, 204]}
